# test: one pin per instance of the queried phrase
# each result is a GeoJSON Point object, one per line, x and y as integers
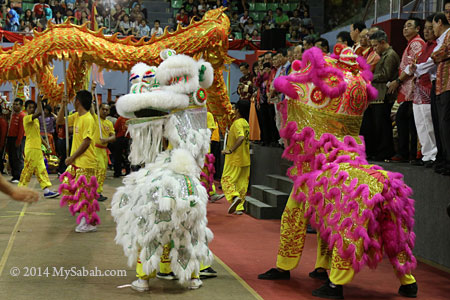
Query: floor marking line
{"type": "Point", "coordinates": [11, 239]}
{"type": "Point", "coordinates": [238, 278]}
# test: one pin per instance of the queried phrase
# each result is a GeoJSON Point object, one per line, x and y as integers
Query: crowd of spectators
{"type": "Point", "coordinates": [125, 17]}
{"type": "Point", "coordinates": [296, 22]}
{"type": "Point", "coordinates": [408, 120]}
{"type": "Point", "coordinates": [131, 18]}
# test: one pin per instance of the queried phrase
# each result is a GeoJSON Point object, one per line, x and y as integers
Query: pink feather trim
{"type": "Point", "coordinates": [341, 207]}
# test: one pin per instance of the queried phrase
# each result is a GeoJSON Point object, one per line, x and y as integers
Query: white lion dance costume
{"type": "Point", "coordinates": [163, 205]}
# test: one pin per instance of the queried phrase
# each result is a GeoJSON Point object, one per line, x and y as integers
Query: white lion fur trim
{"type": "Point", "coordinates": [146, 141]}
{"type": "Point", "coordinates": [208, 76]}
{"type": "Point", "coordinates": [140, 69]}
{"type": "Point", "coordinates": [161, 99]}
{"type": "Point", "coordinates": [154, 194]}
{"type": "Point", "coordinates": [175, 66]}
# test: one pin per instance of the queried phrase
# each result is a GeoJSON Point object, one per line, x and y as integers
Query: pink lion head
{"type": "Point", "coordinates": [335, 86]}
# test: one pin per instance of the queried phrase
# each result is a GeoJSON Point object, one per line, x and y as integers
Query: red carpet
{"type": "Point", "coordinates": [249, 247]}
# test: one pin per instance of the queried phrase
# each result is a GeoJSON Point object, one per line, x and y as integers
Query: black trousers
{"type": "Point", "coordinates": [121, 151]}
{"type": "Point", "coordinates": [435, 119]}
{"type": "Point", "coordinates": [62, 153]}
{"type": "Point", "coordinates": [407, 133]}
{"type": "Point", "coordinates": [376, 128]}
{"type": "Point", "coordinates": [215, 150]}
{"type": "Point", "coordinates": [267, 125]}
{"type": "Point", "coordinates": [15, 156]}
{"type": "Point", "coordinates": [443, 114]}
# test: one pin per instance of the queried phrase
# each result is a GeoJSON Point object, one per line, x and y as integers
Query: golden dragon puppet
{"type": "Point", "coordinates": [207, 39]}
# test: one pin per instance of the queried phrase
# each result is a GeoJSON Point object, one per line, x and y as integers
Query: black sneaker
{"type": "Point", "coordinates": [102, 198]}
{"type": "Point", "coordinates": [408, 290]}
{"type": "Point", "coordinates": [319, 275]}
{"type": "Point", "coordinates": [328, 292]}
{"type": "Point", "coordinates": [275, 274]}
{"type": "Point", "coordinates": [428, 163]}
{"type": "Point", "coordinates": [208, 273]}
{"type": "Point", "coordinates": [166, 276]}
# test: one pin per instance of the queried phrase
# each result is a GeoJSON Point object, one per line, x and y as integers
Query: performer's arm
{"type": "Point", "coordinates": [110, 139]}
{"type": "Point", "coordinates": [18, 193]}
{"type": "Point", "coordinates": [60, 117]}
{"type": "Point", "coordinates": [235, 146]}
{"type": "Point", "coordinates": [38, 111]}
{"type": "Point", "coordinates": [83, 147]}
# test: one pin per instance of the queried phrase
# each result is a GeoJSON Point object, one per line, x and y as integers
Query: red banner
{"type": "Point", "coordinates": [13, 36]}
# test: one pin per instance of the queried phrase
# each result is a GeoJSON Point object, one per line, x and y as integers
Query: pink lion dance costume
{"type": "Point", "coordinates": [359, 210]}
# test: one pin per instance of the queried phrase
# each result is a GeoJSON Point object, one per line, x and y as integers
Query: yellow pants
{"type": "Point", "coordinates": [235, 183]}
{"type": "Point", "coordinates": [34, 164]}
{"type": "Point", "coordinates": [164, 266]}
{"type": "Point", "coordinates": [102, 159]}
{"type": "Point", "coordinates": [292, 241]}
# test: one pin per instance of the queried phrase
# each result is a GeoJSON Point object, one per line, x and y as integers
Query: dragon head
{"type": "Point", "coordinates": [328, 93]}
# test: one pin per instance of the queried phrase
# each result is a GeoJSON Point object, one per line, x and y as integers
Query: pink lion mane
{"type": "Point", "coordinates": [341, 208]}
{"type": "Point", "coordinates": [81, 197]}
{"type": "Point", "coordinates": [319, 71]}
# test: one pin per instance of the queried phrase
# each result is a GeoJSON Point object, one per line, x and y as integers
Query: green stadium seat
{"type": "Point", "coordinates": [177, 3]}
{"type": "Point", "coordinates": [292, 6]}
{"type": "Point", "coordinates": [252, 6]}
{"type": "Point", "coordinates": [254, 15]}
{"type": "Point", "coordinates": [272, 6]}
{"type": "Point", "coordinates": [238, 35]}
{"type": "Point", "coordinates": [261, 6]}
{"type": "Point", "coordinates": [26, 6]}
{"type": "Point", "coordinates": [286, 7]}
{"type": "Point", "coordinates": [262, 14]}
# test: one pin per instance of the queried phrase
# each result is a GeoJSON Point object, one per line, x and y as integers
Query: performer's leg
{"type": "Point", "coordinates": [323, 258]}
{"type": "Point", "coordinates": [341, 273]}
{"type": "Point", "coordinates": [164, 265]}
{"type": "Point", "coordinates": [292, 234]}
{"type": "Point", "coordinates": [41, 170]}
{"type": "Point", "coordinates": [242, 185]}
{"type": "Point", "coordinates": [28, 170]}
{"type": "Point", "coordinates": [230, 176]}
{"type": "Point", "coordinates": [140, 272]}
{"type": "Point", "coordinates": [101, 170]}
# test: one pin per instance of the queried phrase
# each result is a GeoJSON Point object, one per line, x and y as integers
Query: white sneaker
{"type": "Point", "coordinates": [82, 223]}
{"type": "Point", "coordinates": [140, 285]}
{"type": "Point", "coordinates": [216, 197]}
{"type": "Point", "coordinates": [234, 205]}
{"type": "Point", "coordinates": [195, 284]}
{"type": "Point", "coordinates": [86, 228]}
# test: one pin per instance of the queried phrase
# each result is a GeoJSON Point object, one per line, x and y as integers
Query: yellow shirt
{"type": "Point", "coordinates": [241, 156]}
{"type": "Point", "coordinates": [213, 125]}
{"type": "Point", "coordinates": [32, 132]}
{"type": "Point", "coordinates": [107, 130]}
{"type": "Point", "coordinates": [83, 127]}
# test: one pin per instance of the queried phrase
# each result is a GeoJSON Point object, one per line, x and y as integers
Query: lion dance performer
{"type": "Point", "coordinates": [79, 183]}
{"type": "Point", "coordinates": [359, 210]}
{"type": "Point", "coordinates": [161, 209]}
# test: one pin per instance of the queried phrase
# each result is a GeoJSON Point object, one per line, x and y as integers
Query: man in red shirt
{"type": "Point", "coordinates": [16, 142]}
{"type": "Point", "coordinates": [406, 128]}
{"type": "Point", "coordinates": [121, 147]}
